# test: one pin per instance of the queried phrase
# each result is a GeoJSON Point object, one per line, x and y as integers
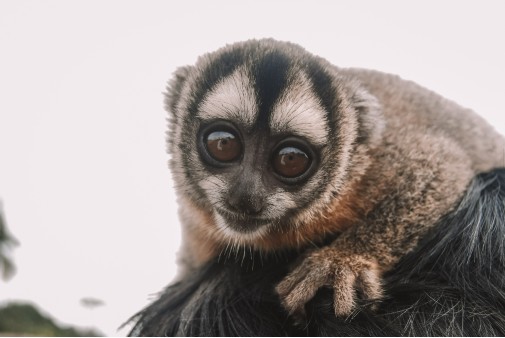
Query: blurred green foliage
{"type": "Point", "coordinates": [7, 242]}
{"type": "Point", "coordinates": [26, 320]}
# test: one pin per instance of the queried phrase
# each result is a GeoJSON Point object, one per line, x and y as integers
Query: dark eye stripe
{"type": "Point", "coordinates": [220, 68]}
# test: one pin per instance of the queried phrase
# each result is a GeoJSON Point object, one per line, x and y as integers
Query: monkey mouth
{"type": "Point", "coordinates": [242, 223]}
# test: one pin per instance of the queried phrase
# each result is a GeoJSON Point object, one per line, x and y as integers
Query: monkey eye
{"type": "Point", "coordinates": [223, 146]}
{"type": "Point", "coordinates": [291, 162]}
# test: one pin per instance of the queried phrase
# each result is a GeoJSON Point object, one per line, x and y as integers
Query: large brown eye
{"type": "Point", "coordinates": [291, 162]}
{"type": "Point", "coordinates": [223, 146]}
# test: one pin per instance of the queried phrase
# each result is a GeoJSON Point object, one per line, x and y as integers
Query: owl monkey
{"type": "Point", "coordinates": [273, 148]}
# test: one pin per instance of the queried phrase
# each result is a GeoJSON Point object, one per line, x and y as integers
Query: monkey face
{"type": "Point", "coordinates": [259, 166]}
{"type": "Point", "coordinates": [261, 136]}
{"type": "Point", "coordinates": [254, 178]}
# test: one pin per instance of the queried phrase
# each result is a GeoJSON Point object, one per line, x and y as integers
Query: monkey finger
{"type": "Point", "coordinates": [304, 291]}
{"type": "Point", "coordinates": [370, 286]}
{"type": "Point", "coordinates": [344, 292]}
{"type": "Point", "coordinates": [293, 279]}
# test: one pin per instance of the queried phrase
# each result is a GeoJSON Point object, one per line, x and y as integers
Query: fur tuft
{"type": "Point", "coordinates": [174, 89]}
{"type": "Point", "coordinates": [452, 284]}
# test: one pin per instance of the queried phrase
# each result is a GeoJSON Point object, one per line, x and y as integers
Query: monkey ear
{"type": "Point", "coordinates": [370, 118]}
{"type": "Point", "coordinates": [174, 89]}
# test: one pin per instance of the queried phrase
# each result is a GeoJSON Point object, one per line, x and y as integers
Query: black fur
{"type": "Point", "coordinates": [322, 82]}
{"type": "Point", "coordinates": [453, 284]}
{"type": "Point", "coordinates": [270, 79]}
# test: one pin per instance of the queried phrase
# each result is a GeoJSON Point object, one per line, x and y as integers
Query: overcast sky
{"type": "Point", "coordinates": [83, 169]}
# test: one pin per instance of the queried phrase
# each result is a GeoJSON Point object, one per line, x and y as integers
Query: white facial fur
{"type": "Point", "coordinates": [299, 111]}
{"type": "Point", "coordinates": [232, 99]}
{"type": "Point", "coordinates": [235, 236]}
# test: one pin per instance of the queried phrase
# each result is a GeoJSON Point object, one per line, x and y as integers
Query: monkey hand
{"type": "Point", "coordinates": [347, 274]}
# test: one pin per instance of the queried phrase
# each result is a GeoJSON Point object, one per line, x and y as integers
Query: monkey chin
{"type": "Point", "coordinates": [242, 231]}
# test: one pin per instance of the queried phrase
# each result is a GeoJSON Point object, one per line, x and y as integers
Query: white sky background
{"type": "Point", "coordinates": [83, 168]}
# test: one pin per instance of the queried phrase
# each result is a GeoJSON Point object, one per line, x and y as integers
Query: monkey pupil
{"type": "Point", "coordinates": [221, 144]}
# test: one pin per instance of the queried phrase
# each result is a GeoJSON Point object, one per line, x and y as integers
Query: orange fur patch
{"type": "Point", "coordinates": [342, 214]}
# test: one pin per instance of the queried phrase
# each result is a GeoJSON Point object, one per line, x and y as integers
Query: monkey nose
{"type": "Point", "coordinates": [250, 205]}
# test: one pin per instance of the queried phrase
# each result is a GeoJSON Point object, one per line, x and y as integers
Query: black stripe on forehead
{"type": "Point", "coordinates": [218, 69]}
{"type": "Point", "coordinates": [270, 74]}
{"type": "Point", "coordinates": [322, 83]}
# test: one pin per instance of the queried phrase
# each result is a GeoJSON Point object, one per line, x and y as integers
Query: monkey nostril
{"type": "Point", "coordinates": [246, 204]}
{"type": "Point", "coordinates": [255, 207]}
